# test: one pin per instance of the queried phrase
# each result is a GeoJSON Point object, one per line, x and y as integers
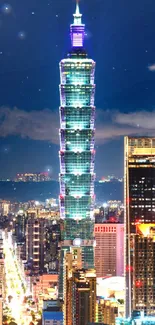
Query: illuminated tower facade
{"type": "Point", "coordinates": [139, 180]}
{"type": "Point", "coordinates": [77, 111]}
{"type": "Point", "coordinates": [79, 291]}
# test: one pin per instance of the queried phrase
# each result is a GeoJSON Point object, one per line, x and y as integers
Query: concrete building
{"type": "Point", "coordinates": [52, 313]}
{"type": "Point", "coordinates": [79, 290]}
{"type": "Point", "coordinates": [33, 177]}
{"type": "Point", "coordinates": [109, 250]}
{"type": "Point", "coordinates": [2, 278]}
{"type": "Point", "coordinates": [35, 243]}
{"type": "Point", "coordinates": [44, 287]}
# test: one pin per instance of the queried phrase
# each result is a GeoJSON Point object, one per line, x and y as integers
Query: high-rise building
{"type": "Point", "coordinates": [52, 246]}
{"type": "Point", "coordinates": [77, 90]}
{"type": "Point", "coordinates": [2, 279]}
{"type": "Point", "coordinates": [109, 249]}
{"type": "Point", "coordinates": [79, 290]}
{"type": "Point", "coordinates": [33, 177]}
{"type": "Point", "coordinates": [140, 224]}
{"type": "Point", "coordinates": [35, 243]}
{"type": "Point", "coordinates": [20, 227]}
{"type": "Point", "coordinates": [52, 313]}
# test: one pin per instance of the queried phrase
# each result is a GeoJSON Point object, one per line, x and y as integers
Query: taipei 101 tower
{"type": "Point", "coordinates": [77, 112]}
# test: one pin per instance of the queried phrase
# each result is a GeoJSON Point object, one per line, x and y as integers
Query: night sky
{"type": "Point", "coordinates": [34, 37]}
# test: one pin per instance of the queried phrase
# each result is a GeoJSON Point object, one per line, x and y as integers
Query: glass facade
{"type": "Point", "coordinates": [139, 204]}
{"type": "Point", "coordinates": [77, 154]}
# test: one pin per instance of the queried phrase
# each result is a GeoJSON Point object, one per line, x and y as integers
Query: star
{"type": "Point", "coordinates": [6, 9]}
{"type": "Point", "coordinates": [22, 35]}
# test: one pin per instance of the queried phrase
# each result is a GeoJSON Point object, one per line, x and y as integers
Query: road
{"type": "Point", "coordinates": [15, 284]}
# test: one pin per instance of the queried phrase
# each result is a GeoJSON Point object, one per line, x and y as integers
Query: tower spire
{"type": "Point", "coordinates": [77, 8]}
{"type": "Point", "coordinates": [77, 28]}
{"type": "Point", "coordinates": [77, 15]}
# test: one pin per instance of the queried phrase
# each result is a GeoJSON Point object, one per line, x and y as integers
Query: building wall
{"type": "Point", "coordinates": [109, 250]}
{"type": "Point", "coordinates": [139, 202]}
{"type": "Point", "coordinates": [1, 311]}
{"type": "Point", "coordinates": [35, 242]}
{"type": "Point", "coordinates": [79, 291]}
{"type": "Point", "coordinates": [41, 286]}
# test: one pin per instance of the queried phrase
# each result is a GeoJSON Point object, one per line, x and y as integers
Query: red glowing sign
{"type": "Point", "coordinates": [129, 268]}
{"type": "Point", "coordinates": [139, 284]}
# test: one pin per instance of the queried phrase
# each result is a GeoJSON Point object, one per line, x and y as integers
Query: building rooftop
{"type": "Point", "coordinates": [53, 315]}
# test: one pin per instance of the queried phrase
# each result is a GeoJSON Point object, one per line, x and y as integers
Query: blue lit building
{"type": "Point", "coordinates": [137, 318]}
{"type": "Point", "coordinates": [77, 154]}
{"type": "Point", "coordinates": [52, 313]}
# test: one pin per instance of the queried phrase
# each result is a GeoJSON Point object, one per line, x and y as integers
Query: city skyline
{"type": "Point", "coordinates": [81, 256]}
{"type": "Point", "coordinates": [124, 74]}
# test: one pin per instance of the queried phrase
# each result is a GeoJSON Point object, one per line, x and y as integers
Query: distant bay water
{"type": "Point", "coordinates": [44, 190]}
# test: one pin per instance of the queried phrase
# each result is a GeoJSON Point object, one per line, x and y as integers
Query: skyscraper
{"type": "Point", "coordinates": [140, 224]}
{"type": "Point", "coordinates": [77, 90]}
{"type": "Point", "coordinates": [109, 249]}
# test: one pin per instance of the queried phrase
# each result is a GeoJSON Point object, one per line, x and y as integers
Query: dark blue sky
{"type": "Point", "coordinates": [34, 37]}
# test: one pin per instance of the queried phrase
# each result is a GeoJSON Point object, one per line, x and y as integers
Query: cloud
{"type": "Point", "coordinates": [35, 125]}
{"type": "Point", "coordinates": [151, 67]}
{"type": "Point", "coordinates": [113, 132]}
{"type": "Point", "coordinates": [114, 124]}
{"type": "Point", "coordinates": [144, 120]}
{"type": "Point", "coordinates": [44, 125]}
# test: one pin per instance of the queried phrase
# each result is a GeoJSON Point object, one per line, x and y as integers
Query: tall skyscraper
{"type": "Point", "coordinates": [77, 90]}
{"type": "Point", "coordinates": [140, 224]}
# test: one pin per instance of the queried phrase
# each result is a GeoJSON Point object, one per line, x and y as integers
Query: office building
{"type": "Point", "coordinates": [35, 243]}
{"type": "Point", "coordinates": [139, 203]}
{"type": "Point", "coordinates": [1, 310]}
{"type": "Point", "coordinates": [77, 90]}
{"type": "Point", "coordinates": [33, 177]}
{"type": "Point", "coordinates": [2, 279]}
{"type": "Point", "coordinates": [43, 287]}
{"type": "Point", "coordinates": [5, 206]}
{"type": "Point", "coordinates": [52, 313]}
{"type": "Point", "coordinates": [52, 246]}
{"type": "Point", "coordinates": [20, 227]}
{"type": "Point", "coordinates": [137, 318]}
{"type": "Point", "coordinates": [79, 290]}
{"type": "Point", "coordinates": [96, 323]}
{"type": "Point", "coordinates": [109, 249]}
{"type": "Point", "coordinates": [143, 267]}
{"type": "Point", "coordinates": [111, 310]}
